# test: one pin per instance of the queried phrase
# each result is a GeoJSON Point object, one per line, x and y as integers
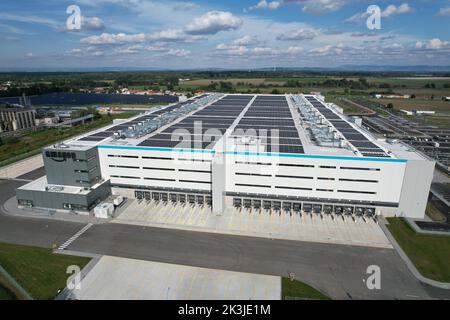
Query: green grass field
{"type": "Point", "coordinates": [299, 290]}
{"type": "Point", "coordinates": [38, 270]}
{"type": "Point", "coordinates": [417, 104]}
{"type": "Point", "coordinates": [429, 253]}
{"type": "Point", "coordinates": [6, 294]}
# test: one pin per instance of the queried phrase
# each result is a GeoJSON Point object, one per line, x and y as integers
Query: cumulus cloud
{"type": "Point", "coordinates": [92, 23]}
{"type": "Point", "coordinates": [264, 4]}
{"type": "Point", "coordinates": [213, 22]}
{"type": "Point", "coordinates": [389, 11]}
{"type": "Point", "coordinates": [112, 39]}
{"type": "Point", "coordinates": [328, 50]}
{"type": "Point", "coordinates": [246, 41]}
{"type": "Point", "coordinates": [301, 34]}
{"type": "Point", "coordinates": [174, 35]}
{"type": "Point", "coordinates": [168, 35]}
{"type": "Point", "coordinates": [433, 44]}
{"type": "Point", "coordinates": [394, 10]}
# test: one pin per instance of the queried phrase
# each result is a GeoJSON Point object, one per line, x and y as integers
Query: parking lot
{"type": "Point", "coordinates": [287, 225]}
{"type": "Point", "coordinates": [114, 278]}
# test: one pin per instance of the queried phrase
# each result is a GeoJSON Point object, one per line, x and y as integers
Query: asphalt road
{"type": "Point", "coordinates": [337, 270]}
{"type": "Point", "coordinates": [31, 231]}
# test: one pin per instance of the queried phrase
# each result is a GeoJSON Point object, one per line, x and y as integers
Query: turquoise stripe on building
{"type": "Point", "coordinates": [310, 156]}
{"type": "Point", "coordinates": [157, 149]}
{"type": "Point", "coordinates": [265, 154]}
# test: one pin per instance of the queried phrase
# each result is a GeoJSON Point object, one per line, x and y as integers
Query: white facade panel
{"type": "Point", "coordinates": [353, 180]}
{"type": "Point", "coordinates": [155, 168]}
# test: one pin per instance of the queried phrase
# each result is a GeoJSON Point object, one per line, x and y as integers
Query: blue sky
{"type": "Point", "coordinates": [222, 34]}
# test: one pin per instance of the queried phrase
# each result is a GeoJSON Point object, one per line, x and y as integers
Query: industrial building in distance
{"type": "Point", "coordinates": [268, 152]}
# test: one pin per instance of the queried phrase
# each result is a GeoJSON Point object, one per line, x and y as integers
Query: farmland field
{"type": "Point", "coordinates": [417, 104]}
{"type": "Point", "coordinates": [205, 82]}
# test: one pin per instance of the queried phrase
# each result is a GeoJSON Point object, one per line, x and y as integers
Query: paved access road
{"type": "Point", "coordinates": [337, 270]}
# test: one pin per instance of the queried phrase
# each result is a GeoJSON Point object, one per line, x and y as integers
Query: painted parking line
{"type": "Point", "coordinates": [75, 237]}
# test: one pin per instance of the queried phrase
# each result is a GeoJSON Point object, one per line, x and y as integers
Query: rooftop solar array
{"type": "Point", "coordinates": [101, 135]}
{"type": "Point", "coordinates": [354, 137]}
{"type": "Point", "coordinates": [270, 120]}
{"type": "Point", "coordinates": [107, 133]}
{"type": "Point", "coordinates": [204, 128]}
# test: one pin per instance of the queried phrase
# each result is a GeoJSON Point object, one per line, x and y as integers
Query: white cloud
{"type": "Point", "coordinates": [358, 17]}
{"type": "Point", "coordinates": [394, 10]}
{"type": "Point", "coordinates": [301, 34]}
{"type": "Point", "coordinates": [320, 6]}
{"type": "Point", "coordinates": [87, 24]}
{"type": "Point", "coordinates": [92, 23]}
{"type": "Point", "coordinates": [157, 48]}
{"type": "Point", "coordinates": [174, 35]}
{"type": "Point", "coordinates": [129, 50]}
{"type": "Point", "coordinates": [389, 11]}
{"type": "Point", "coordinates": [213, 22]}
{"type": "Point", "coordinates": [246, 41]}
{"type": "Point", "coordinates": [295, 50]}
{"type": "Point", "coordinates": [393, 46]}
{"type": "Point", "coordinates": [433, 44]}
{"type": "Point", "coordinates": [178, 52]}
{"type": "Point", "coordinates": [264, 4]}
{"type": "Point", "coordinates": [119, 38]}
{"type": "Point", "coordinates": [444, 12]}
{"type": "Point", "coordinates": [328, 50]}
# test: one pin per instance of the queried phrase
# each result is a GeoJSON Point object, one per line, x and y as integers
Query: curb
{"type": "Point", "coordinates": [66, 293]}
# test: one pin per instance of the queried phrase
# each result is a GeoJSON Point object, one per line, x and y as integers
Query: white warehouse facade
{"type": "Point", "coordinates": [268, 152]}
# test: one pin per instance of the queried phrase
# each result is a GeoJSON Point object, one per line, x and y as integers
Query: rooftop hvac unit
{"type": "Point", "coordinates": [246, 140]}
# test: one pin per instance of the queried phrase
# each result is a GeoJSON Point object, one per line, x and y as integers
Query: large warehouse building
{"type": "Point", "coordinates": [270, 152]}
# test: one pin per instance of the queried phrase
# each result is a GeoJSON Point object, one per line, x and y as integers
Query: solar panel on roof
{"type": "Point", "coordinates": [92, 138]}
{"type": "Point", "coordinates": [177, 144]}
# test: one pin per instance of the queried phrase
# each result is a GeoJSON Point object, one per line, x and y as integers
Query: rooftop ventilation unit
{"type": "Point", "coordinates": [247, 140]}
{"type": "Point", "coordinates": [319, 127]}
{"type": "Point", "coordinates": [148, 126]}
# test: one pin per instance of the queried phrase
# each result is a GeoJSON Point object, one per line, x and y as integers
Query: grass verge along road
{"type": "Point", "coordinates": [293, 290]}
{"type": "Point", "coordinates": [429, 253]}
{"type": "Point", "coordinates": [38, 270]}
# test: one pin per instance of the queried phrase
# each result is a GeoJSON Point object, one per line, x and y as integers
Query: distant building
{"type": "Point", "coordinates": [47, 121]}
{"type": "Point", "coordinates": [417, 112]}
{"type": "Point", "coordinates": [15, 117]}
{"type": "Point", "coordinates": [392, 96]}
